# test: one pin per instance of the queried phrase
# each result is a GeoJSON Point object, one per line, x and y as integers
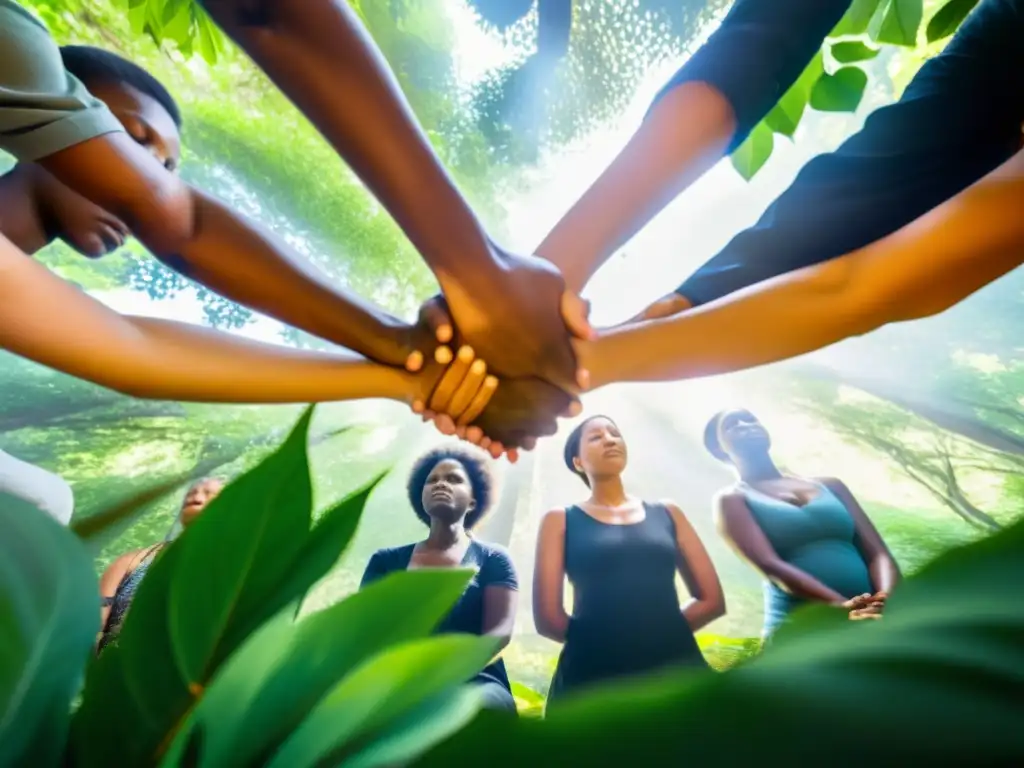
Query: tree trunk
{"type": "Point", "coordinates": [964, 424]}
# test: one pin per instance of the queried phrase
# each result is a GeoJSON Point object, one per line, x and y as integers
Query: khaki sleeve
{"type": "Point", "coordinates": [43, 108]}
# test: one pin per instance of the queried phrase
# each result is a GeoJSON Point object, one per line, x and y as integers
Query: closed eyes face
{"type": "Point", "coordinates": [740, 434]}
{"type": "Point", "coordinates": [602, 449]}
{"type": "Point", "coordinates": [144, 119]}
{"type": "Point", "coordinates": [448, 493]}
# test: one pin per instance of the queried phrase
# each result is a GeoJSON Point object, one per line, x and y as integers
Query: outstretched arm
{"type": "Point", "coordinates": [507, 307]}
{"type": "Point", "coordinates": [704, 112]}
{"type": "Point", "coordinates": [200, 237]}
{"type": "Point", "coordinates": [46, 320]}
{"type": "Point", "coordinates": [918, 271]}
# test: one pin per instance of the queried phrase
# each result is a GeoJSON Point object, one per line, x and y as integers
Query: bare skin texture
{"type": "Point", "coordinates": [509, 308]}
{"type": "Point", "coordinates": [158, 359]}
{"type": "Point", "coordinates": [602, 459]}
{"type": "Point", "coordinates": [918, 271]}
{"type": "Point", "coordinates": [746, 444]}
{"type": "Point", "coordinates": [197, 497]}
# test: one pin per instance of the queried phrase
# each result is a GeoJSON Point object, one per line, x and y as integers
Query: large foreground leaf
{"type": "Point", "coordinates": [392, 685]}
{"type": "Point", "coordinates": [49, 617]}
{"type": "Point", "coordinates": [939, 681]}
{"type": "Point", "coordinates": [248, 556]}
{"type": "Point", "coordinates": [246, 723]}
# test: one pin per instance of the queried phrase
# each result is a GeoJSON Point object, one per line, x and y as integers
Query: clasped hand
{"type": "Point", "coordinates": [522, 326]}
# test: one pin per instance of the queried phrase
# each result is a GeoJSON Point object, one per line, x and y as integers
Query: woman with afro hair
{"type": "Point", "coordinates": [450, 490]}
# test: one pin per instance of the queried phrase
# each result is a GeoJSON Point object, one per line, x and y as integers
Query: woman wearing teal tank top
{"type": "Point", "coordinates": [809, 538]}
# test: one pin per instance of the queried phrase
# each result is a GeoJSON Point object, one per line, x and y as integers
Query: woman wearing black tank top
{"type": "Point", "coordinates": [621, 556]}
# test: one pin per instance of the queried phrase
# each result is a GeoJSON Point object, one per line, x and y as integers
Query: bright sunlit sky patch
{"type": "Point", "coordinates": [690, 230]}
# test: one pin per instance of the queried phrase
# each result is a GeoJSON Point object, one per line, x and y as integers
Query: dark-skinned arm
{"type": "Point", "coordinates": [509, 308]}
{"type": "Point", "coordinates": [501, 596]}
{"type": "Point", "coordinates": [704, 112]}
{"type": "Point", "coordinates": [36, 209]}
{"type": "Point", "coordinates": [885, 574]}
{"type": "Point", "coordinates": [741, 532]}
{"type": "Point", "coordinates": [200, 237]}
{"type": "Point", "coordinates": [549, 614]}
{"type": "Point", "coordinates": [21, 215]}
{"type": "Point", "coordinates": [46, 320]}
{"type": "Point", "coordinates": [707, 601]}
{"type": "Point", "coordinates": [918, 271]}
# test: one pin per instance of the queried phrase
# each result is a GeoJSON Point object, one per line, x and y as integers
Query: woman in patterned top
{"type": "Point", "coordinates": [122, 577]}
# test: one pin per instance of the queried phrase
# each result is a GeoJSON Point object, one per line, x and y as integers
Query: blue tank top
{"type": "Point", "coordinates": [818, 538]}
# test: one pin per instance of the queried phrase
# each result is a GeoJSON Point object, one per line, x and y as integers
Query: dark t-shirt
{"type": "Point", "coordinates": [494, 568]}
{"type": "Point", "coordinates": [958, 120]}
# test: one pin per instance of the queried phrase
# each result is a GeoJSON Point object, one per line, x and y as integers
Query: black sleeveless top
{"type": "Point", "coordinates": [626, 616]}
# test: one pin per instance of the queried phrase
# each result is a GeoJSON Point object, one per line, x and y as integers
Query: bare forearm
{"type": "Point", "coordinates": [46, 320]}
{"type": "Point", "coordinates": [241, 261]}
{"type": "Point", "coordinates": [22, 218]}
{"type": "Point", "coordinates": [552, 627]}
{"type": "Point", "coordinates": [700, 613]}
{"type": "Point", "coordinates": [685, 134]}
{"type": "Point", "coordinates": [885, 575]}
{"type": "Point", "coordinates": [801, 584]}
{"type": "Point", "coordinates": [919, 271]}
{"type": "Point", "coordinates": [320, 56]}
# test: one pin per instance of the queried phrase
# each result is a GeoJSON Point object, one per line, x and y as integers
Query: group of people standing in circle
{"type": "Point", "coordinates": [808, 538]}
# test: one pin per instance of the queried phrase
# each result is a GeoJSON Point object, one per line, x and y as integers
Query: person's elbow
{"type": "Point", "coordinates": [165, 217]}
{"type": "Point", "coordinates": [549, 624]}
{"type": "Point", "coordinates": [714, 606]}
{"type": "Point", "coordinates": [848, 292]}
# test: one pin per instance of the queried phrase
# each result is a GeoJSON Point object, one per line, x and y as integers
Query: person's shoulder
{"type": "Point", "coordinates": [393, 555]}
{"type": "Point", "coordinates": [491, 550]}
{"type": "Point", "coordinates": [553, 522]}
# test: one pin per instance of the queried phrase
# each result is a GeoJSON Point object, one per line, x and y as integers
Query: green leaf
{"type": "Point", "coordinates": [244, 727]}
{"type": "Point", "coordinates": [948, 19]}
{"type": "Point", "coordinates": [389, 686]}
{"type": "Point", "coordinates": [429, 724]}
{"type": "Point", "coordinates": [328, 540]}
{"type": "Point", "coordinates": [236, 684]}
{"type": "Point", "coordinates": [210, 40]}
{"type": "Point", "coordinates": [840, 92]}
{"type": "Point", "coordinates": [944, 666]}
{"type": "Point", "coordinates": [787, 113]}
{"type": "Point", "coordinates": [249, 555]}
{"type": "Point", "coordinates": [856, 20]}
{"type": "Point", "coordinates": [899, 22]}
{"type": "Point", "coordinates": [849, 51]}
{"type": "Point", "coordinates": [754, 152]}
{"type": "Point", "coordinates": [49, 617]}
{"type": "Point", "coordinates": [177, 22]}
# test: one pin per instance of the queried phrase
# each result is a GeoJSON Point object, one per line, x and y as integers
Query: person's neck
{"type": "Point", "coordinates": [757, 469]}
{"type": "Point", "coordinates": [444, 536]}
{"type": "Point", "coordinates": [608, 492]}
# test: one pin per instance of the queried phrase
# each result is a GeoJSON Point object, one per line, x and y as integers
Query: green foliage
{"type": "Point", "coordinates": [212, 667]}
{"type": "Point", "coordinates": [754, 151]}
{"type": "Point", "coordinates": [849, 51]}
{"type": "Point", "coordinates": [840, 92]}
{"type": "Point", "coordinates": [945, 665]}
{"type": "Point", "coordinates": [182, 22]}
{"type": "Point", "coordinates": [49, 613]}
{"type": "Point", "coordinates": [948, 19]}
{"type": "Point", "coordinates": [888, 22]}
